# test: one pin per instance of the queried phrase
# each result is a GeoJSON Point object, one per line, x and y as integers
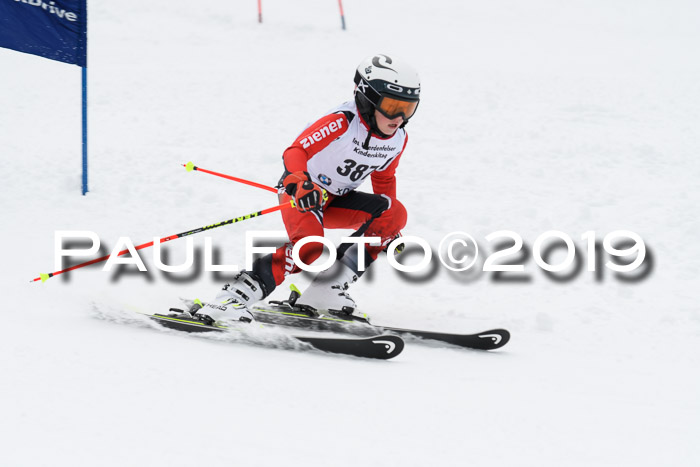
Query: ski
{"type": "Point", "coordinates": [381, 347]}
{"type": "Point", "coordinates": [284, 314]}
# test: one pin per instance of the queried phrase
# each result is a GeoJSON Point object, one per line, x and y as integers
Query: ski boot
{"type": "Point", "coordinates": [328, 292]}
{"type": "Point", "coordinates": [232, 302]}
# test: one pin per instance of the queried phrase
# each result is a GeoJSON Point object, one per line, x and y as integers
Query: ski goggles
{"type": "Point", "coordinates": [392, 107]}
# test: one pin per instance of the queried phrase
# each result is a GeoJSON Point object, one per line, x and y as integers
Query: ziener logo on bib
{"type": "Point", "coordinates": [325, 131]}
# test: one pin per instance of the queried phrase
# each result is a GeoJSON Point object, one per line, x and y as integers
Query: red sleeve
{"type": "Point", "coordinates": [384, 182]}
{"type": "Point", "coordinates": [312, 140]}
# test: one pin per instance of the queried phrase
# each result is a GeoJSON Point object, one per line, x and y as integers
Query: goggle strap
{"type": "Point", "coordinates": [366, 89]}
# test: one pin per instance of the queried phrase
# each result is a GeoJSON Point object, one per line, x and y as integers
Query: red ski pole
{"type": "Point", "coordinates": [45, 277]}
{"type": "Point", "coordinates": [190, 167]}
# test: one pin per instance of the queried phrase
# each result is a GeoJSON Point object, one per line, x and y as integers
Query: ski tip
{"type": "Point", "coordinates": [497, 337]}
{"type": "Point", "coordinates": [189, 166]}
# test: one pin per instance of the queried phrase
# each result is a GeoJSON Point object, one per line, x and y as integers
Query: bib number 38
{"type": "Point", "coordinates": [354, 170]}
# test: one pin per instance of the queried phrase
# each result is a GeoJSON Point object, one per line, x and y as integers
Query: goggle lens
{"type": "Point", "coordinates": [392, 108]}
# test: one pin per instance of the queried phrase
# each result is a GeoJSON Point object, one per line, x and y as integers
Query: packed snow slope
{"type": "Point", "coordinates": [536, 116]}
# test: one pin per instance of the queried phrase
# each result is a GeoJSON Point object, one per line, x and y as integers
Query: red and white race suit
{"type": "Point", "coordinates": [331, 151]}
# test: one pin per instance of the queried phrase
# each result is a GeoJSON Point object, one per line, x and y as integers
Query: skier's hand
{"type": "Point", "coordinates": [308, 196]}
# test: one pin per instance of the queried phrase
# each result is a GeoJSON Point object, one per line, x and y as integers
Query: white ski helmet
{"type": "Point", "coordinates": [388, 85]}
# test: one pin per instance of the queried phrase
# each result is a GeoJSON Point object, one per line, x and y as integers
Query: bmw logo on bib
{"type": "Point", "coordinates": [325, 179]}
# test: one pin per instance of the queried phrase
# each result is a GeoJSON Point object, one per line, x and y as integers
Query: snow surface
{"type": "Point", "coordinates": [576, 116]}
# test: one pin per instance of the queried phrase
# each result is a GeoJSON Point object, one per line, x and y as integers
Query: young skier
{"type": "Point", "coordinates": [332, 157]}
